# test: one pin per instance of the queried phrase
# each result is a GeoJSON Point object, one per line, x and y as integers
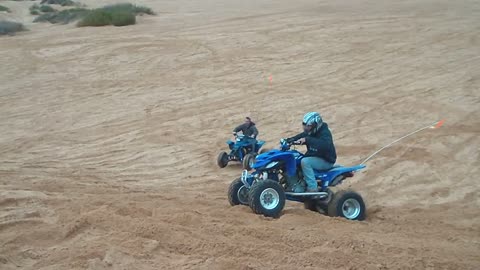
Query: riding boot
{"type": "Point", "coordinates": [294, 184]}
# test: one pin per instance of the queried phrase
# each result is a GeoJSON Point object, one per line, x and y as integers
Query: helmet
{"type": "Point", "coordinates": [312, 119]}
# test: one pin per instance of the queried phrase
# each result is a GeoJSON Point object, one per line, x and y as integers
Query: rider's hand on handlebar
{"type": "Point", "coordinates": [300, 141]}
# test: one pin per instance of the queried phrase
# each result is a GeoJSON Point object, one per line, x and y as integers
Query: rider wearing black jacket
{"type": "Point", "coordinates": [250, 131]}
{"type": "Point", "coordinates": [321, 154]}
{"type": "Point", "coordinates": [319, 143]}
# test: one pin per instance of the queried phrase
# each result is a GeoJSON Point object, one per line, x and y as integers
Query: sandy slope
{"type": "Point", "coordinates": [109, 135]}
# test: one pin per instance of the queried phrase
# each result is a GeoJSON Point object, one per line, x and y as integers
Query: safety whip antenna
{"type": "Point", "coordinates": [434, 125]}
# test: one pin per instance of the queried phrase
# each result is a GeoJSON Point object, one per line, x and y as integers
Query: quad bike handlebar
{"type": "Point", "coordinates": [285, 141]}
{"type": "Point", "coordinates": [285, 144]}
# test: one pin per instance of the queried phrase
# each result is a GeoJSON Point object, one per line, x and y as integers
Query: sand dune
{"type": "Point", "coordinates": [109, 135]}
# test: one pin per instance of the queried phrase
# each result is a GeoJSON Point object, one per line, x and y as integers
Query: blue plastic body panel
{"type": "Point", "coordinates": [292, 160]}
{"type": "Point", "coordinates": [236, 146]}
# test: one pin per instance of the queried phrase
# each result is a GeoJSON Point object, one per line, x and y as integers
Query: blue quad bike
{"type": "Point", "coordinates": [267, 187]}
{"type": "Point", "coordinates": [241, 151]}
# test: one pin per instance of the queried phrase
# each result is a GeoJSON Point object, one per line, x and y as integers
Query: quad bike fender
{"type": "Point", "coordinates": [291, 165]}
{"type": "Point", "coordinates": [231, 144]}
{"type": "Point", "coordinates": [336, 171]}
{"type": "Point", "coordinates": [258, 146]}
{"type": "Point", "coordinates": [276, 155]}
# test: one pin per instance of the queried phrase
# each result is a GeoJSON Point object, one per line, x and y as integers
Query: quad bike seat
{"type": "Point", "coordinates": [325, 171]}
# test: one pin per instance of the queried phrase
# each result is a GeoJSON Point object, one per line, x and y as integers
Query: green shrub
{"type": "Point", "coordinates": [126, 7]}
{"type": "Point", "coordinates": [3, 8]}
{"type": "Point", "coordinates": [64, 16]}
{"type": "Point", "coordinates": [123, 18]}
{"type": "Point", "coordinates": [10, 28]}
{"type": "Point", "coordinates": [118, 15]}
{"type": "Point", "coordinates": [34, 9]}
{"type": "Point", "coordinates": [96, 17]}
{"type": "Point", "coordinates": [58, 2]}
{"type": "Point", "coordinates": [46, 9]}
{"type": "Point", "coordinates": [144, 10]}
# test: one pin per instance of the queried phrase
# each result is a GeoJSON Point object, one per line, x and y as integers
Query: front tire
{"type": "Point", "coordinates": [347, 204]}
{"type": "Point", "coordinates": [248, 161]}
{"type": "Point", "coordinates": [222, 160]}
{"type": "Point", "coordinates": [237, 193]}
{"type": "Point", "coordinates": [267, 198]}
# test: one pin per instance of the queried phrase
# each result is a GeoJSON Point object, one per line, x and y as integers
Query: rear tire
{"type": "Point", "coordinates": [267, 198]}
{"type": "Point", "coordinates": [248, 161]}
{"type": "Point", "coordinates": [237, 193]}
{"type": "Point", "coordinates": [347, 204]}
{"type": "Point", "coordinates": [222, 160]}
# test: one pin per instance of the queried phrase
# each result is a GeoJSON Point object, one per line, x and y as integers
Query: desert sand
{"type": "Point", "coordinates": [109, 135]}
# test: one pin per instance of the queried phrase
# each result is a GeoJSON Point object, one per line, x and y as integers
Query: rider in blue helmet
{"type": "Point", "coordinates": [321, 154]}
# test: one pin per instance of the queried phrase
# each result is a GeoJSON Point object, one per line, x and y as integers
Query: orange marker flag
{"type": "Point", "coordinates": [439, 124]}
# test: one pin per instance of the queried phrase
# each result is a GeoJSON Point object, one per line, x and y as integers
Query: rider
{"type": "Point", "coordinates": [320, 153]}
{"type": "Point", "coordinates": [249, 130]}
